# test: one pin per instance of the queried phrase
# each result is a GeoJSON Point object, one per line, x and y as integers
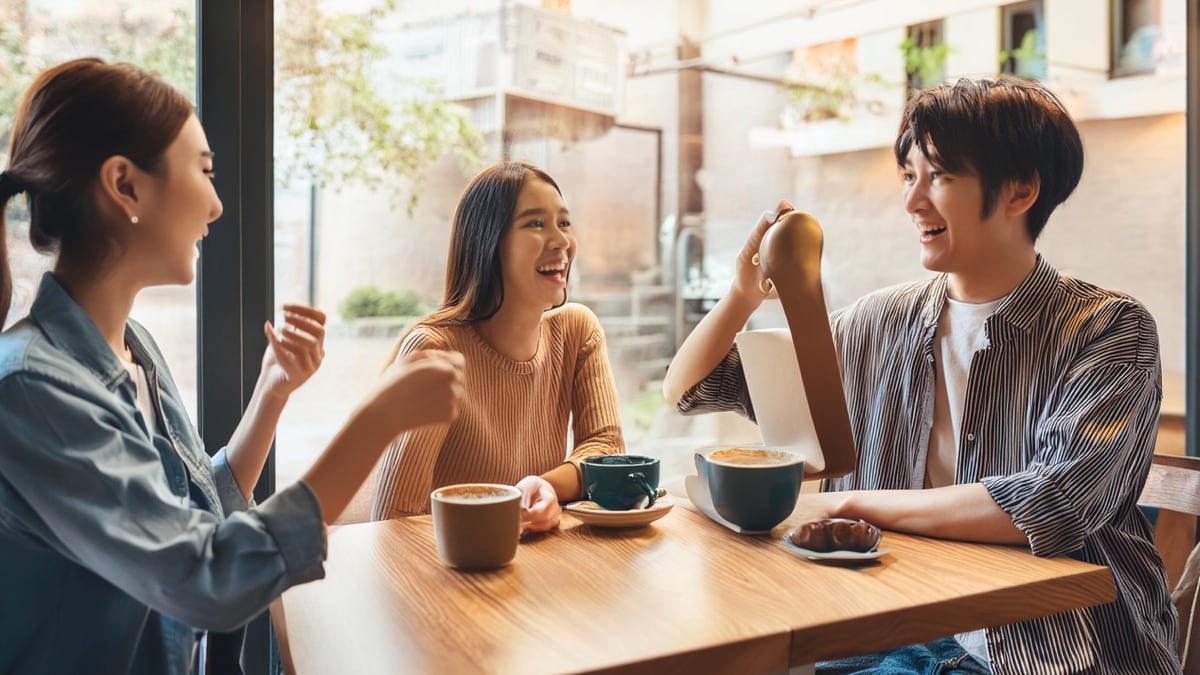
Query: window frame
{"type": "Point", "coordinates": [1116, 38]}
{"type": "Point", "coordinates": [935, 30]}
{"type": "Point", "coordinates": [1012, 42]}
{"type": "Point", "coordinates": [1192, 297]}
{"type": "Point", "coordinates": [235, 274]}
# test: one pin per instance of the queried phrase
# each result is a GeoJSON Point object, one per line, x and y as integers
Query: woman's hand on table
{"type": "Point", "coordinates": [540, 510]}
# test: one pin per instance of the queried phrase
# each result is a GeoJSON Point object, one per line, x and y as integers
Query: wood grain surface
{"type": "Point", "coordinates": [683, 595]}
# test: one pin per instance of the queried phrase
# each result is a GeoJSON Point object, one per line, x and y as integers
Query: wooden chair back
{"type": "Point", "coordinates": [1173, 487]}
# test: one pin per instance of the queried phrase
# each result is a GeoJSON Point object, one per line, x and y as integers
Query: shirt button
{"type": "Point", "coordinates": [970, 437]}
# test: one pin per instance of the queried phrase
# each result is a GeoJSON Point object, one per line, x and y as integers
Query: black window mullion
{"type": "Point", "coordinates": [235, 289]}
{"type": "Point", "coordinates": [235, 276]}
{"type": "Point", "coordinates": [1192, 339]}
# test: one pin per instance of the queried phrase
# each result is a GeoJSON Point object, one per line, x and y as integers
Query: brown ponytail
{"type": "Point", "coordinates": [9, 187]}
{"type": "Point", "coordinates": [71, 119]}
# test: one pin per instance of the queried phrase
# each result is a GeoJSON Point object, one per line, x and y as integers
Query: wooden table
{"type": "Point", "coordinates": [683, 595]}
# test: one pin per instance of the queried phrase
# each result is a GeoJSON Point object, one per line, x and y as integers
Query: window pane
{"type": "Point", "coordinates": [925, 52]}
{"type": "Point", "coordinates": [666, 159]}
{"type": "Point", "coordinates": [155, 34]}
{"type": "Point", "coordinates": [1137, 34]}
{"type": "Point", "coordinates": [1024, 40]}
{"type": "Point", "coordinates": [525, 83]}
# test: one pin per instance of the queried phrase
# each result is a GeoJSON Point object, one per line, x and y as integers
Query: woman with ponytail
{"type": "Point", "coordinates": [121, 539]}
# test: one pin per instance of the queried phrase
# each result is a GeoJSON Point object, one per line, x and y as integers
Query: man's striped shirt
{"type": "Point", "coordinates": [1059, 423]}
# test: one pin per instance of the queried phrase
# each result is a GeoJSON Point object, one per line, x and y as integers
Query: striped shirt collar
{"type": "Point", "coordinates": [1021, 310]}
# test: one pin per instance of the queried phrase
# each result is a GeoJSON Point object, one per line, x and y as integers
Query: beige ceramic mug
{"type": "Point", "coordinates": [477, 525]}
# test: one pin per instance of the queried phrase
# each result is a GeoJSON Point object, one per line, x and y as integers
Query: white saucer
{"type": "Point", "coordinates": [835, 555]}
{"type": "Point", "coordinates": [597, 516]}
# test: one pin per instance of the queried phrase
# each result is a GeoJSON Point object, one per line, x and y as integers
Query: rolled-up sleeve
{"type": "Point", "coordinates": [722, 390]}
{"type": "Point", "coordinates": [1093, 453]}
{"type": "Point", "coordinates": [96, 493]}
{"type": "Point", "coordinates": [228, 490]}
{"type": "Point", "coordinates": [291, 516]}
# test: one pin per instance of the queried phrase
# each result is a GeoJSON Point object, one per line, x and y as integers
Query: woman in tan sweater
{"type": "Point", "coordinates": [534, 364]}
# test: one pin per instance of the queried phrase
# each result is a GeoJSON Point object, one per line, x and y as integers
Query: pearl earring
{"type": "Point", "coordinates": [133, 219]}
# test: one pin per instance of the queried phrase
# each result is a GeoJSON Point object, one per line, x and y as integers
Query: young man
{"type": "Point", "coordinates": [998, 401]}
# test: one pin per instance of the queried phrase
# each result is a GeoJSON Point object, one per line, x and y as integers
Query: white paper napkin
{"type": "Point", "coordinates": [777, 391]}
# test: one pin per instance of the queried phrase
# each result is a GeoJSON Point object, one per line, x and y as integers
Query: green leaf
{"type": "Point", "coordinates": [342, 125]}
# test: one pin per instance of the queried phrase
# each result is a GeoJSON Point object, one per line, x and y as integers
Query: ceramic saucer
{"type": "Point", "coordinates": [835, 556]}
{"type": "Point", "coordinates": [595, 515]}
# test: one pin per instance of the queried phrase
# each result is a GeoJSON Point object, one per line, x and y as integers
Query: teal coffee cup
{"type": "Point", "coordinates": [620, 482]}
{"type": "Point", "coordinates": [753, 488]}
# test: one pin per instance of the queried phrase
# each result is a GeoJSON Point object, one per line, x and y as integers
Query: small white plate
{"type": "Point", "coordinates": [835, 555]}
{"type": "Point", "coordinates": [593, 514]}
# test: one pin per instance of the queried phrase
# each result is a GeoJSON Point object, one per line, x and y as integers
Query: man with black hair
{"type": "Point", "coordinates": [998, 401]}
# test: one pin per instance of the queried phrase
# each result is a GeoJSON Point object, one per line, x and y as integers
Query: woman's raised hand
{"type": "Point", "coordinates": [416, 390]}
{"type": "Point", "coordinates": [294, 350]}
{"type": "Point", "coordinates": [748, 280]}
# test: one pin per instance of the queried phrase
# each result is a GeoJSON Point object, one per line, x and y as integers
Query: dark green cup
{"type": "Point", "coordinates": [620, 482]}
{"type": "Point", "coordinates": [754, 488]}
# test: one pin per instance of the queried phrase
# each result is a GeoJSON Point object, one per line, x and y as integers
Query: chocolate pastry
{"type": "Point", "coordinates": [836, 534]}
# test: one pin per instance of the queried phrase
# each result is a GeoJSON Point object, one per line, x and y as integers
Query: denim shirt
{"type": "Point", "coordinates": [119, 546]}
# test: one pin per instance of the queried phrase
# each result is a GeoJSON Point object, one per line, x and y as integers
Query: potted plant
{"type": "Point", "coordinates": [923, 64]}
{"type": "Point", "coordinates": [372, 311]}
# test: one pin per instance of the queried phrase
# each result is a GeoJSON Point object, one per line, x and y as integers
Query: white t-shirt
{"type": "Point", "coordinates": [142, 385]}
{"type": "Point", "coordinates": [960, 333]}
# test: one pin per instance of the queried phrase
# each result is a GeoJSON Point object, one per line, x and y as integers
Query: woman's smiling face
{"type": "Point", "coordinates": [537, 249]}
{"type": "Point", "coordinates": [178, 207]}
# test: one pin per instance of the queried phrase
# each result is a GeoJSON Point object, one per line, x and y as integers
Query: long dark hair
{"type": "Point", "coordinates": [474, 279]}
{"type": "Point", "coordinates": [71, 119]}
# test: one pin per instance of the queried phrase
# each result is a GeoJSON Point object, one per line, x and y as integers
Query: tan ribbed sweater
{"type": "Point", "coordinates": [514, 419]}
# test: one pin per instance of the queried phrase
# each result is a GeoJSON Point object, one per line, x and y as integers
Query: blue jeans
{"type": "Point", "coordinates": [940, 657]}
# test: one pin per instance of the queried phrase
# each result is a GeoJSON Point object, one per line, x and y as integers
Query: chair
{"type": "Point", "coordinates": [1173, 487]}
